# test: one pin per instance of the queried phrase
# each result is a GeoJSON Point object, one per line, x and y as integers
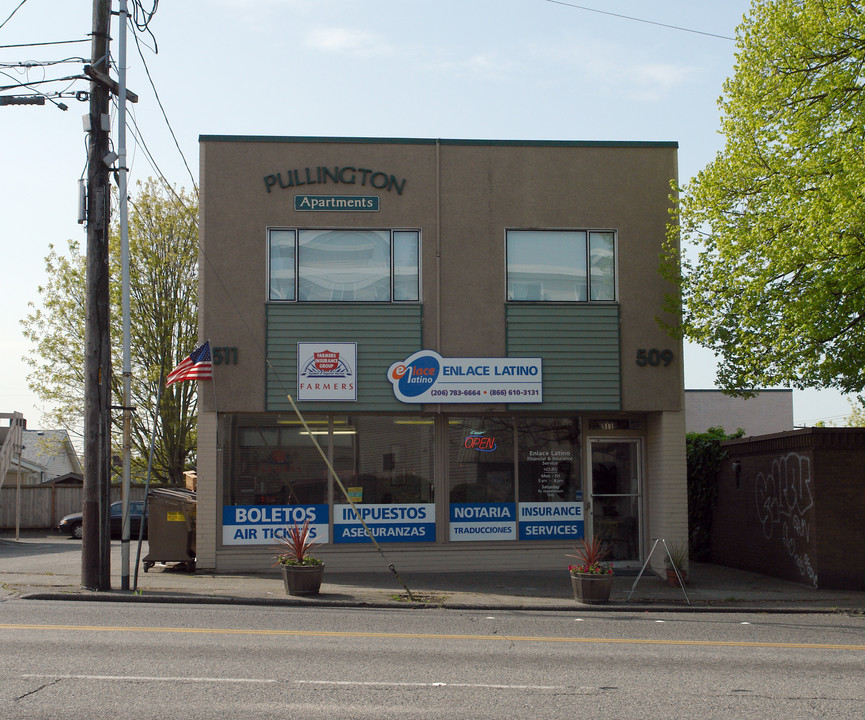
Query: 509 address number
{"type": "Point", "coordinates": [654, 357]}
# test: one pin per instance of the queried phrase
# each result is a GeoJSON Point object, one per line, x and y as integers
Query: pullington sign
{"type": "Point", "coordinates": [338, 175]}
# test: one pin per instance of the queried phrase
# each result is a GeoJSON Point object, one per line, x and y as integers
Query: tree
{"type": "Point", "coordinates": [705, 455]}
{"type": "Point", "coordinates": [773, 231]}
{"type": "Point", "coordinates": [163, 280]}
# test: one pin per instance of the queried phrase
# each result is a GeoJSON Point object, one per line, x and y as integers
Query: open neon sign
{"type": "Point", "coordinates": [477, 441]}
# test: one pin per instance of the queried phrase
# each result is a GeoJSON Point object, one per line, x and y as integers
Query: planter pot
{"type": "Point", "coordinates": [302, 579]}
{"type": "Point", "coordinates": [673, 581]}
{"type": "Point", "coordinates": [592, 589]}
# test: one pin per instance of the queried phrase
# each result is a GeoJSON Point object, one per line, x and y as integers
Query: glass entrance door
{"type": "Point", "coordinates": [615, 496]}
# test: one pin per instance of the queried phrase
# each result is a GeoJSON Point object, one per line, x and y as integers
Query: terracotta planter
{"type": "Point", "coordinates": [673, 581]}
{"type": "Point", "coordinates": [592, 589]}
{"type": "Point", "coordinates": [302, 579]}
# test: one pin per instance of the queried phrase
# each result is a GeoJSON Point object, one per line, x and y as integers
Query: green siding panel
{"type": "Point", "coordinates": [384, 333]}
{"type": "Point", "coordinates": [579, 344]}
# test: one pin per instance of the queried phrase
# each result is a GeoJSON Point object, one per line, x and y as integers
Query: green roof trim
{"type": "Point", "coordinates": [440, 141]}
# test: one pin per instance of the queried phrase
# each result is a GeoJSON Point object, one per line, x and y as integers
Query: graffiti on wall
{"type": "Point", "coordinates": [785, 507]}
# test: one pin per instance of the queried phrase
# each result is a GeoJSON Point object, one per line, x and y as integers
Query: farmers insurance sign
{"type": "Point", "coordinates": [427, 377]}
{"type": "Point", "coordinates": [327, 371]}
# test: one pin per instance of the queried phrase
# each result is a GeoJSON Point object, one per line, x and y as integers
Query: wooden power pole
{"type": "Point", "coordinates": [96, 541]}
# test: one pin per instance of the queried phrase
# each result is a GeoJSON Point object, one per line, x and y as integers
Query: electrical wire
{"type": "Point", "coordinates": [12, 13]}
{"type": "Point", "coordinates": [43, 63]}
{"type": "Point", "coordinates": [31, 85]}
{"type": "Point", "coordinates": [39, 44]}
{"type": "Point", "coordinates": [162, 108]}
{"type": "Point", "coordinates": [640, 20]}
{"type": "Point", "coordinates": [143, 25]}
{"type": "Point", "coordinates": [135, 131]}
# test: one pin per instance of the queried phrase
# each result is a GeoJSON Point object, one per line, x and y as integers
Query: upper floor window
{"type": "Point", "coordinates": [561, 265]}
{"type": "Point", "coordinates": [344, 265]}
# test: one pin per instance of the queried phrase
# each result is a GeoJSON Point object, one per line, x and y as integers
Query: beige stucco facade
{"type": "Point", "coordinates": [462, 198]}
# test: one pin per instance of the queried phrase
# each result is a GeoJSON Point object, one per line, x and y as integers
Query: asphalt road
{"type": "Point", "coordinates": [84, 660]}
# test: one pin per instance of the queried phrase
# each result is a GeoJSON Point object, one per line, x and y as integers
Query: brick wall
{"type": "Point", "coordinates": [792, 505]}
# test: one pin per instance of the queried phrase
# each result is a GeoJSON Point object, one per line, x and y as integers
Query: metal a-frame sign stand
{"type": "Point", "coordinates": [672, 564]}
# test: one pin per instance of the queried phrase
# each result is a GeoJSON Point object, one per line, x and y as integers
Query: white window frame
{"type": "Point", "coordinates": [588, 234]}
{"type": "Point", "coordinates": [296, 232]}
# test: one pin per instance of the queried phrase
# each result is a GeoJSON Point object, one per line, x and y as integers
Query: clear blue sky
{"type": "Point", "coordinates": [513, 69]}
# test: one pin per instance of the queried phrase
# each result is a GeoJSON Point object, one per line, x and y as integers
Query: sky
{"type": "Point", "coordinates": [484, 69]}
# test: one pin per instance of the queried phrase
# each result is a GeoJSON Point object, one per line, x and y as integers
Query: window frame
{"type": "Point", "coordinates": [588, 232]}
{"type": "Point", "coordinates": [392, 234]}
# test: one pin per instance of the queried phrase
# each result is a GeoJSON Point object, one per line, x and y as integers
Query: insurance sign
{"type": "Point", "coordinates": [427, 377]}
{"type": "Point", "coordinates": [400, 522]}
{"type": "Point", "coordinates": [327, 371]}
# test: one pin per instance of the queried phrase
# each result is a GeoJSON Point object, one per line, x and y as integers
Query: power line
{"type": "Point", "coordinates": [12, 13]}
{"type": "Point", "coordinates": [56, 42]}
{"type": "Point", "coordinates": [641, 20]}
{"type": "Point", "coordinates": [139, 140]}
{"type": "Point", "coordinates": [159, 102]}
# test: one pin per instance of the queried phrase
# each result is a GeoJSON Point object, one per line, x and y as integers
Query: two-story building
{"type": "Point", "coordinates": [469, 332]}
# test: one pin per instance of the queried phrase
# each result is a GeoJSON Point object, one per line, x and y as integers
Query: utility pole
{"type": "Point", "coordinates": [96, 541]}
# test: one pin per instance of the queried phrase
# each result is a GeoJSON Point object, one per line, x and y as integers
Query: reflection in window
{"type": "Point", "coordinates": [282, 264]}
{"type": "Point", "coordinates": [272, 464]}
{"type": "Point", "coordinates": [481, 452]}
{"type": "Point", "coordinates": [344, 265]}
{"type": "Point", "coordinates": [602, 259]}
{"type": "Point", "coordinates": [405, 266]}
{"type": "Point", "coordinates": [549, 460]}
{"type": "Point", "coordinates": [379, 459]}
{"type": "Point", "coordinates": [560, 265]}
{"type": "Point", "coordinates": [390, 461]}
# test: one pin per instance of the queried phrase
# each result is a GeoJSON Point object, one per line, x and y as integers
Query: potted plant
{"type": "Point", "coordinates": [591, 579]}
{"type": "Point", "coordinates": [677, 558]}
{"type": "Point", "coordinates": [301, 572]}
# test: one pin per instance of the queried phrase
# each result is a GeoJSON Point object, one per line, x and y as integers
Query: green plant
{"type": "Point", "coordinates": [679, 555]}
{"type": "Point", "coordinates": [705, 454]}
{"type": "Point", "coordinates": [297, 542]}
{"type": "Point", "coordinates": [590, 555]}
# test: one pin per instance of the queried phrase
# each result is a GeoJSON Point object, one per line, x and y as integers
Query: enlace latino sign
{"type": "Point", "coordinates": [427, 377]}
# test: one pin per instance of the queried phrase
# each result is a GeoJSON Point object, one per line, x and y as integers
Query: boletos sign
{"type": "Point", "coordinates": [427, 377]}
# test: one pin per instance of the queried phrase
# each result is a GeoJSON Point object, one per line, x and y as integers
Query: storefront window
{"type": "Point", "coordinates": [481, 452]}
{"type": "Point", "coordinates": [549, 460]}
{"type": "Point", "coordinates": [389, 477]}
{"type": "Point", "coordinates": [515, 478]}
{"type": "Point", "coordinates": [389, 459]}
{"type": "Point", "coordinates": [275, 476]}
{"type": "Point", "coordinates": [274, 465]}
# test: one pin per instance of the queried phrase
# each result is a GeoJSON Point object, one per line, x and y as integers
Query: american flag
{"type": "Point", "coordinates": [198, 366]}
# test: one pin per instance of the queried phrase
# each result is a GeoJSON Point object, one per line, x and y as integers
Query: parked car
{"type": "Point", "coordinates": [72, 523]}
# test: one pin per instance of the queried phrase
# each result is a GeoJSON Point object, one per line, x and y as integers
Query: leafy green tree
{"type": "Point", "coordinates": [163, 281]}
{"type": "Point", "coordinates": [704, 457]}
{"type": "Point", "coordinates": [773, 230]}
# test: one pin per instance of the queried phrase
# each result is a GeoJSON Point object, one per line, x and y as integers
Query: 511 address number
{"type": "Point", "coordinates": [654, 357]}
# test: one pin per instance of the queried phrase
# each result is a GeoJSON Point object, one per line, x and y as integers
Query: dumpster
{"type": "Point", "coordinates": [170, 527]}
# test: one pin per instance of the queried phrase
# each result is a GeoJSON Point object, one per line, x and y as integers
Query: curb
{"type": "Point", "coordinates": [614, 606]}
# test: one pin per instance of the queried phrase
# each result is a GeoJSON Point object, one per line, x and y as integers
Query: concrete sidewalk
{"type": "Point", "coordinates": [48, 566]}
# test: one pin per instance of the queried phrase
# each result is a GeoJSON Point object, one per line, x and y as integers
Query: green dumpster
{"type": "Point", "coordinates": [170, 527]}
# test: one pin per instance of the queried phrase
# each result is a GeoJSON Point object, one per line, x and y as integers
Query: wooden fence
{"type": "Point", "coordinates": [42, 506]}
